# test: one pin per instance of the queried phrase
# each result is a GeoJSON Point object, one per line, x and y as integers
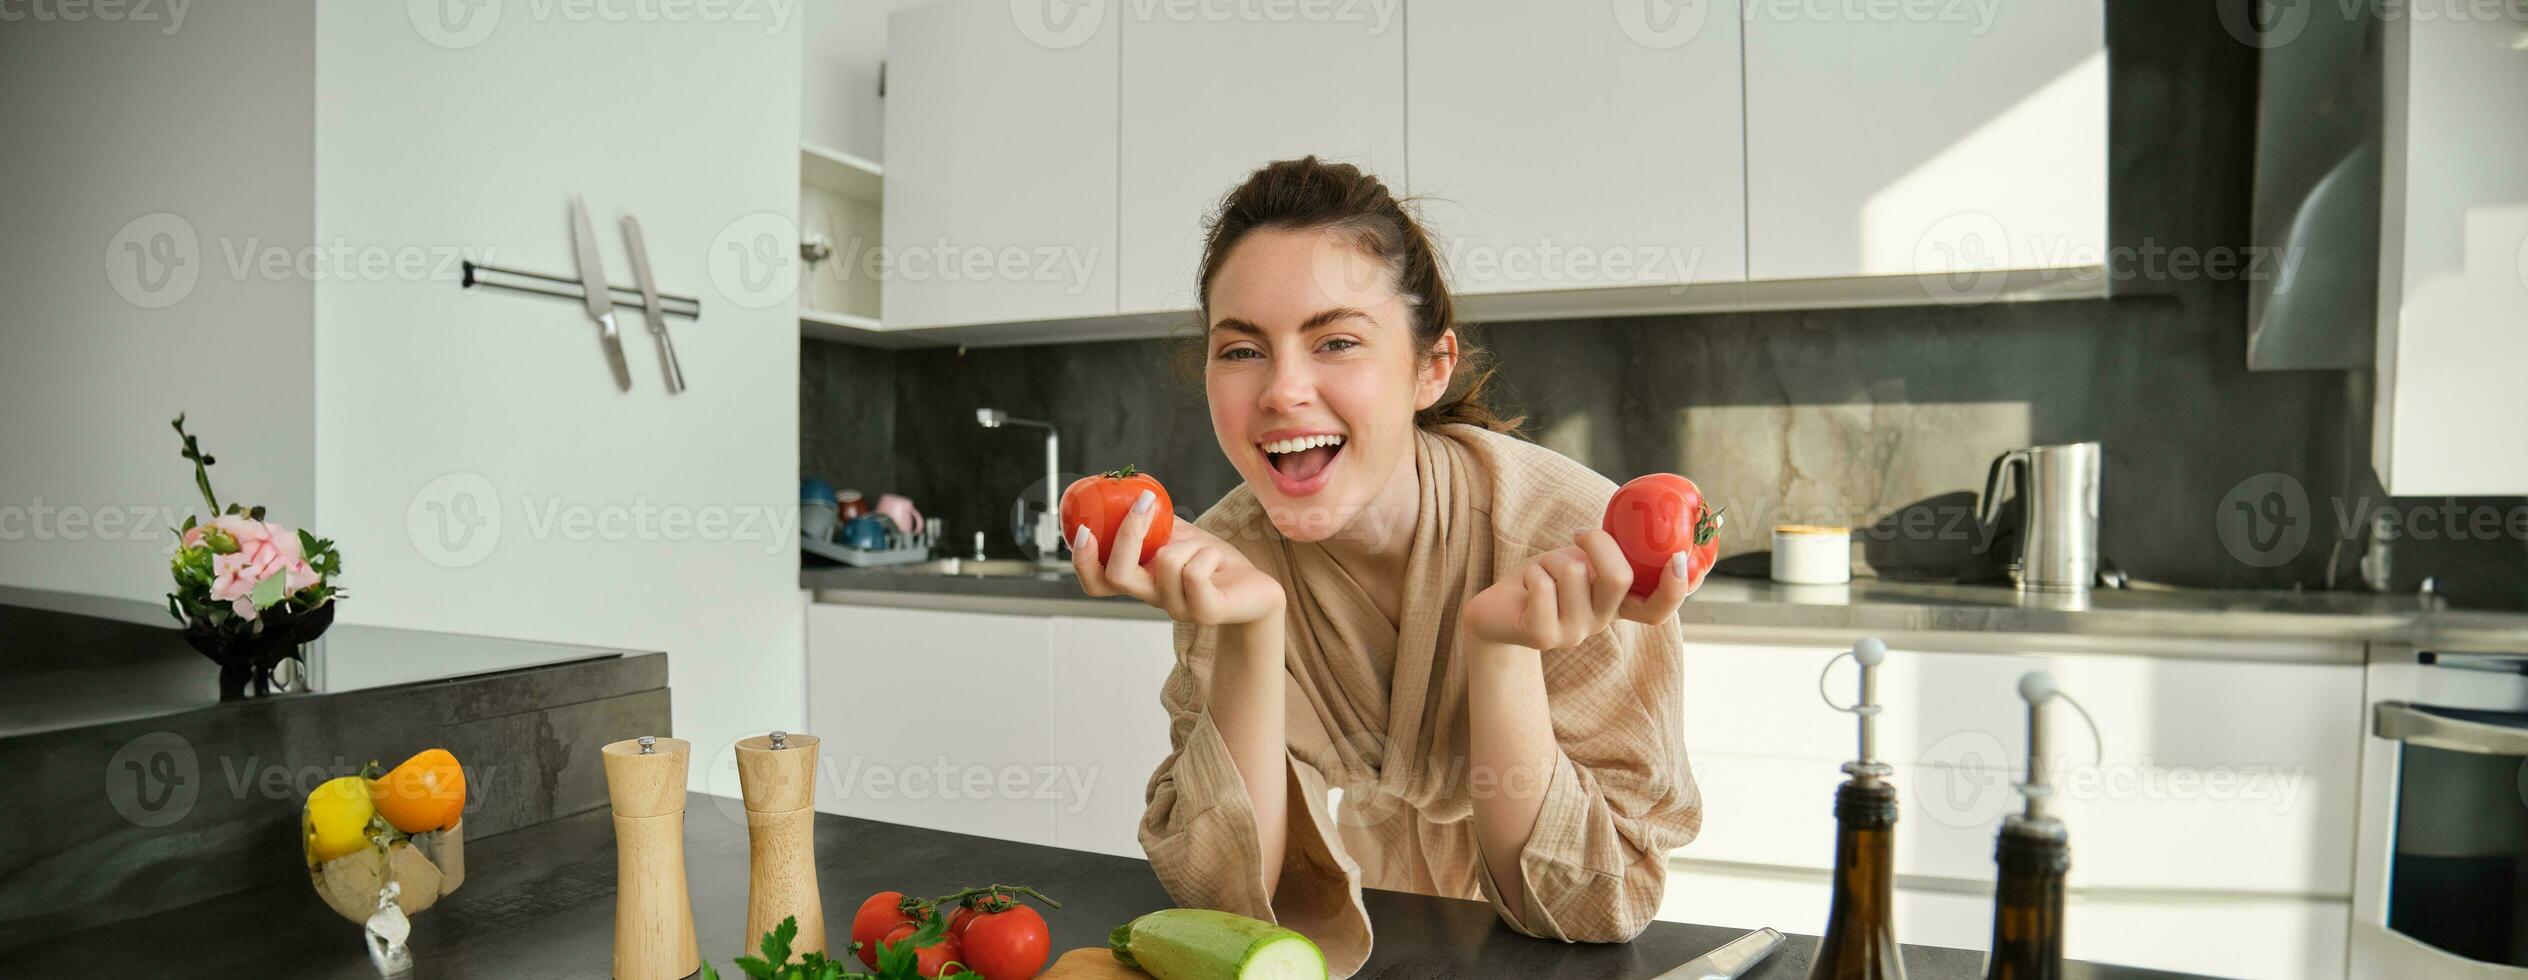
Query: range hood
{"type": "Point", "coordinates": [2317, 193]}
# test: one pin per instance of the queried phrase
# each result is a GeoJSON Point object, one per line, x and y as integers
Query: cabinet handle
{"type": "Point", "coordinates": [2453, 729]}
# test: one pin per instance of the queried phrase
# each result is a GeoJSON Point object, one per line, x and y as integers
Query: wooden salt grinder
{"type": "Point", "coordinates": [653, 915]}
{"type": "Point", "coordinates": [777, 775]}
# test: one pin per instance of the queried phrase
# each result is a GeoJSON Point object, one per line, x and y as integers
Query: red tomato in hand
{"type": "Point", "coordinates": [929, 960]}
{"type": "Point", "coordinates": [1009, 945]}
{"type": "Point", "coordinates": [1102, 501]}
{"type": "Point", "coordinates": [1656, 516]}
{"type": "Point", "coordinates": [881, 914]}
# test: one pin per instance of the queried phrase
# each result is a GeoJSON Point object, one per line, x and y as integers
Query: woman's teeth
{"type": "Point", "coordinates": [1279, 446]}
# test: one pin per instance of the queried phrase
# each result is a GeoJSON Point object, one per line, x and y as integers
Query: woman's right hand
{"type": "Point", "coordinates": [1195, 577]}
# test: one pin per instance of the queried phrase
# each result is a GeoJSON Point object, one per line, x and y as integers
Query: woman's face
{"type": "Point", "coordinates": [1313, 376]}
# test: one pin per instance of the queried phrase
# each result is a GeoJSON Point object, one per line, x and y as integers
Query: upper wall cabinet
{"type": "Point", "coordinates": [2453, 258]}
{"type": "Point", "coordinates": [1565, 146]}
{"type": "Point", "coordinates": [1207, 100]}
{"type": "Point", "coordinates": [1971, 139]}
{"type": "Point", "coordinates": [1000, 170]}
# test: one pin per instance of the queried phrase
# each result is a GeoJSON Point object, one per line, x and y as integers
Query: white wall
{"type": "Point", "coordinates": [428, 397]}
{"type": "Point", "coordinates": [198, 129]}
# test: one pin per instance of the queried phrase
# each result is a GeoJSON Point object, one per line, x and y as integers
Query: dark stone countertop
{"type": "Point", "coordinates": [539, 902]}
{"type": "Point", "coordinates": [2327, 626]}
{"type": "Point", "coordinates": [68, 661]}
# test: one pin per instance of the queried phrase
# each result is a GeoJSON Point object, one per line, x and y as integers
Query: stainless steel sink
{"type": "Point", "coordinates": [984, 568]}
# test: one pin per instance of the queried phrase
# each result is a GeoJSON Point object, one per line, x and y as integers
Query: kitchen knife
{"type": "Point", "coordinates": [592, 280]}
{"type": "Point", "coordinates": [649, 302]}
{"type": "Point", "coordinates": [1736, 957]}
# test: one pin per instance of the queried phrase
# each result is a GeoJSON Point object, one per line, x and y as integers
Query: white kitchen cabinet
{"type": "Point", "coordinates": [1069, 726]}
{"type": "Point", "coordinates": [1000, 172]}
{"type": "Point", "coordinates": [1109, 732]}
{"type": "Point", "coordinates": [934, 718]}
{"type": "Point", "coordinates": [2219, 776]}
{"type": "Point", "coordinates": [1964, 143]}
{"type": "Point", "coordinates": [2453, 272]}
{"type": "Point", "coordinates": [1207, 100]}
{"type": "Point", "coordinates": [1559, 147]}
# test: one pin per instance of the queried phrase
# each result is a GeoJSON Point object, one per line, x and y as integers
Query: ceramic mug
{"type": "Point", "coordinates": [865, 533]}
{"type": "Point", "coordinates": [816, 520]}
{"type": "Point", "coordinates": [900, 509]}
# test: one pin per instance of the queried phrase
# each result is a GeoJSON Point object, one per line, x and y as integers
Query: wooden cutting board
{"type": "Point", "coordinates": [1090, 963]}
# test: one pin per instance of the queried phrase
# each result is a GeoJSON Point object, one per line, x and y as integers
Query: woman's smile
{"type": "Point", "coordinates": [1301, 461]}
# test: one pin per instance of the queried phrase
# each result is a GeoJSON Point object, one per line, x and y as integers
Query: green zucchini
{"type": "Point", "coordinates": [1203, 944]}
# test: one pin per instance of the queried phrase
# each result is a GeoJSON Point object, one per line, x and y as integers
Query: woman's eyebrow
{"type": "Point", "coordinates": [1322, 319]}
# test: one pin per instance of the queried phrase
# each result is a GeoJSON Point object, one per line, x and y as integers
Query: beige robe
{"type": "Point", "coordinates": [1377, 709]}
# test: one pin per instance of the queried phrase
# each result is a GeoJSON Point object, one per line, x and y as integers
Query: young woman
{"type": "Point", "coordinates": [1402, 603]}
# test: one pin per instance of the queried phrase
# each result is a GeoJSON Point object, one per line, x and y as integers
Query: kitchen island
{"type": "Point", "coordinates": [539, 903]}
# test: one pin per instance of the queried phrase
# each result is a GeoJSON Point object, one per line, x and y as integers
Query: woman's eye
{"type": "Point", "coordinates": [1340, 343]}
{"type": "Point", "coordinates": [1239, 354]}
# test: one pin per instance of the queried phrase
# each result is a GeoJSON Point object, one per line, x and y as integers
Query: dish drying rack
{"type": "Point", "coordinates": [902, 549]}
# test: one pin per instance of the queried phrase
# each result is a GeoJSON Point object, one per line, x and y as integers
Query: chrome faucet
{"type": "Point", "coordinates": [1049, 541]}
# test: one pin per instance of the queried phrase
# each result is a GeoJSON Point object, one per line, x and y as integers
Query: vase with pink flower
{"type": "Point", "coordinates": [248, 591]}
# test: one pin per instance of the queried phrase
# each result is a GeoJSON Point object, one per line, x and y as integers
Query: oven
{"type": "Point", "coordinates": [2440, 883]}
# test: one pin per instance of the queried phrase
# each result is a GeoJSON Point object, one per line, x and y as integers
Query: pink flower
{"type": "Point", "coordinates": [264, 549]}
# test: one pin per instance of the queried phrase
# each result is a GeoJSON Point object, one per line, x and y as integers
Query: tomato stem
{"type": "Point", "coordinates": [997, 893]}
{"type": "Point", "coordinates": [1127, 471]}
{"type": "Point", "coordinates": [1708, 526]}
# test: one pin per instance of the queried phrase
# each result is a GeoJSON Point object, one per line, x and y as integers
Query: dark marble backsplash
{"type": "Point", "coordinates": [1838, 416]}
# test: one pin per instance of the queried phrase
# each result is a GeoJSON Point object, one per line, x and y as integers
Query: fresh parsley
{"type": "Point", "coordinates": [895, 960]}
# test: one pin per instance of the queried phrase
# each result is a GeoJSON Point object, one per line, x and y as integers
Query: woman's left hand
{"type": "Point", "coordinates": [1567, 595]}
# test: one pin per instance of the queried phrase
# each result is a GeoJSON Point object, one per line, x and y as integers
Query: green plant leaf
{"type": "Point", "coordinates": [272, 589]}
{"type": "Point", "coordinates": [755, 968]}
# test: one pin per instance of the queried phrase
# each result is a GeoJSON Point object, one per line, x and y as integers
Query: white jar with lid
{"type": "Point", "coordinates": [1812, 554]}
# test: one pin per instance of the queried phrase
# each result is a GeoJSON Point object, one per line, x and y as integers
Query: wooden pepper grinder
{"type": "Point", "coordinates": [777, 775]}
{"type": "Point", "coordinates": [653, 915]}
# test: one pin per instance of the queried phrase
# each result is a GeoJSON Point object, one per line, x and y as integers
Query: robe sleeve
{"type": "Point", "coordinates": [1200, 830]}
{"type": "Point", "coordinates": [1620, 796]}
